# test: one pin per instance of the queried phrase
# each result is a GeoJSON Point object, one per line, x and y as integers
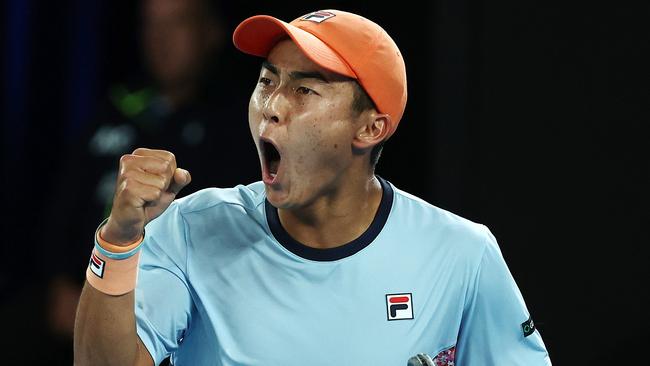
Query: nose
{"type": "Point", "coordinates": [275, 107]}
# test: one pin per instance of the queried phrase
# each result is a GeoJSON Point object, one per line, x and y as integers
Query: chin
{"type": "Point", "coordinates": [278, 198]}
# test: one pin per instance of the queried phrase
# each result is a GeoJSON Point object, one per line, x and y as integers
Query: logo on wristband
{"type": "Point", "coordinates": [97, 265]}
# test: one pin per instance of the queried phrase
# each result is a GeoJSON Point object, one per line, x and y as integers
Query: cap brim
{"type": "Point", "coordinates": [258, 35]}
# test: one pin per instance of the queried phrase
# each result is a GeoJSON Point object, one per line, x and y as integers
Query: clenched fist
{"type": "Point", "coordinates": [147, 183]}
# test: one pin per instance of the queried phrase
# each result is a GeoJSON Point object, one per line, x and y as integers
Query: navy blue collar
{"type": "Point", "coordinates": [345, 250]}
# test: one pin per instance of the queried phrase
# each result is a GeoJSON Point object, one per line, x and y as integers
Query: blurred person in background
{"type": "Point", "coordinates": [183, 104]}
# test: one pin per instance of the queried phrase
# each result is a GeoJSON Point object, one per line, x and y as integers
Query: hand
{"type": "Point", "coordinates": [147, 183]}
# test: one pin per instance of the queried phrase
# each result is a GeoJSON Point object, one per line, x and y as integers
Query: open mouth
{"type": "Point", "coordinates": [272, 160]}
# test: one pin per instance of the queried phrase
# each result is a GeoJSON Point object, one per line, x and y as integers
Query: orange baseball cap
{"type": "Point", "coordinates": [342, 42]}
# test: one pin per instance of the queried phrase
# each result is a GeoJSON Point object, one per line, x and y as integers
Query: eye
{"type": "Point", "coordinates": [265, 81]}
{"type": "Point", "coordinates": [305, 91]}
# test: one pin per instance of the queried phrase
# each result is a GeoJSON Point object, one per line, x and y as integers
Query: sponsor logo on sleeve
{"type": "Point", "coordinates": [528, 327]}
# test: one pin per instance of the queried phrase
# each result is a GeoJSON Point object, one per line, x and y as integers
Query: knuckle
{"type": "Point", "coordinates": [128, 174]}
{"type": "Point", "coordinates": [154, 194]}
{"type": "Point", "coordinates": [165, 164]}
{"type": "Point", "coordinates": [162, 182]}
{"type": "Point", "coordinates": [139, 151]}
{"type": "Point", "coordinates": [125, 159]}
{"type": "Point", "coordinates": [127, 184]}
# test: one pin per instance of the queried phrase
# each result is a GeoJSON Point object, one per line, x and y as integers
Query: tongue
{"type": "Point", "coordinates": [273, 166]}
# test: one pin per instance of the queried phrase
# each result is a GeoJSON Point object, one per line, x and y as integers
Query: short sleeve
{"type": "Point", "coordinates": [163, 304]}
{"type": "Point", "coordinates": [493, 329]}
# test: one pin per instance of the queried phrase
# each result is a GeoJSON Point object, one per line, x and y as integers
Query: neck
{"type": "Point", "coordinates": [336, 218]}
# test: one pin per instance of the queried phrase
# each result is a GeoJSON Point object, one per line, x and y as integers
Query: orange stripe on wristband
{"type": "Point", "coordinates": [117, 248]}
{"type": "Point", "coordinates": [111, 276]}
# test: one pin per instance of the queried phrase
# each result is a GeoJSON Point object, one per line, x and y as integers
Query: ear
{"type": "Point", "coordinates": [374, 129]}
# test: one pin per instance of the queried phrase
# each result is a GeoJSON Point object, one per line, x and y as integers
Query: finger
{"type": "Point", "coordinates": [137, 194]}
{"type": "Point", "coordinates": [155, 180]}
{"type": "Point", "coordinates": [152, 164]}
{"type": "Point", "coordinates": [180, 179]}
{"type": "Point", "coordinates": [162, 154]}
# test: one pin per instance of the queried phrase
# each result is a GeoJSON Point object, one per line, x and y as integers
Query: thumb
{"type": "Point", "coordinates": [180, 179]}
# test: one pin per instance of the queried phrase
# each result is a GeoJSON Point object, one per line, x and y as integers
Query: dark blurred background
{"type": "Point", "coordinates": [525, 116]}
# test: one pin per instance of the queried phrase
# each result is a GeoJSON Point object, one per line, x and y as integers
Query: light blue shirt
{"type": "Point", "coordinates": [222, 283]}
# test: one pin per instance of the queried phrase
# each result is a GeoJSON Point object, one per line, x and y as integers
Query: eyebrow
{"type": "Point", "coordinates": [296, 75]}
{"type": "Point", "coordinates": [269, 66]}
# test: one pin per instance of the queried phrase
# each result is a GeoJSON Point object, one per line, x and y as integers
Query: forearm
{"type": "Point", "coordinates": [105, 331]}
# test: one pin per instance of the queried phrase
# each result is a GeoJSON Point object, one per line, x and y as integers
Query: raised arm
{"type": "Point", "coordinates": [105, 328]}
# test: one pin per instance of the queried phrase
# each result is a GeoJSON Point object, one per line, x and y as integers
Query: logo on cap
{"type": "Point", "coordinates": [399, 306]}
{"type": "Point", "coordinates": [318, 16]}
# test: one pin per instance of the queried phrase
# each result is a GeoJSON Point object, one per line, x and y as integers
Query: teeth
{"type": "Point", "coordinates": [273, 175]}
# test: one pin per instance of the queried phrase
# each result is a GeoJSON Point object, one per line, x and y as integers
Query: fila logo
{"type": "Point", "coordinates": [318, 16]}
{"type": "Point", "coordinates": [97, 265]}
{"type": "Point", "coordinates": [399, 306]}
